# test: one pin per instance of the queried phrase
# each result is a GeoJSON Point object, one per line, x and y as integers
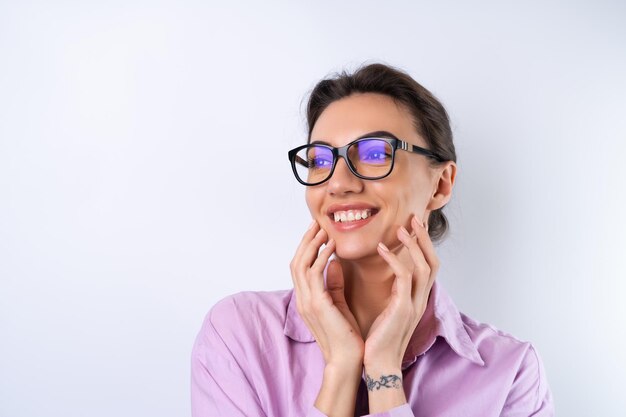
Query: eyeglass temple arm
{"type": "Point", "coordinates": [418, 149]}
{"type": "Point", "coordinates": [301, 161]}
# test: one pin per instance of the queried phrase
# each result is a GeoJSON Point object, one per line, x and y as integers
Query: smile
{"type": "Point", "coordinates": [349, 220]}
{"type": "Point", "coordinates": [351, 215]}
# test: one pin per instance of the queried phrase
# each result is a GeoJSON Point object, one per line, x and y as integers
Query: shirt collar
{"type": "Point", "coordinates": [441, 318]}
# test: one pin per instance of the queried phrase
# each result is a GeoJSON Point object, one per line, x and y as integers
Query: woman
{"type": "Point", "coordinates": [369, 331]}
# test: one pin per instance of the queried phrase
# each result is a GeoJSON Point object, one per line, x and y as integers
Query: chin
{"type": "Point", "coordinates": [354, 250]}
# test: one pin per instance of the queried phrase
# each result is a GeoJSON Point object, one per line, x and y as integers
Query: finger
{"type": "Point", "coordinates": [316, 282]}
{"type": "Point", "coordinates": [421, 280]}
{"type": "Point", "coordinates": [307, 258]}
{"type": "Point", "coordinates": [426, 245]}
{"type": "Point", "coordinates": [404, 276]}
{"type": "Point", "coordinates": [425, 242]}
{"type": "Point", "coordinates": [306, 239]}
{"type": "Point", "coordinates": [421, 270]}
{"type": "Point", "coordinates": [335, 283]}
{"type": "Point", "coordinates": [297, 270]}
{"type": "Point", "coordinates": [311, 251]}
{"type": "Point", "coordinates": [305, 255]}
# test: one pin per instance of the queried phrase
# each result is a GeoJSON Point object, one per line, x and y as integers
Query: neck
{"type": "Point", "coordinates": [368, 282]}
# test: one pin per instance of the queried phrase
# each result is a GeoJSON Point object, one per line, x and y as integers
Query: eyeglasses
{"type": "Point", "coordinates": [369, 158]}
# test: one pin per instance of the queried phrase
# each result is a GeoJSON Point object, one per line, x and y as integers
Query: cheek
{"type": "Point", "coordinates": [407, 201]}
{"type": "Point", "coordinates": [414, 203]}
{"type": "Point", "coordinates": [313, 201]}
{"type": "Point", "coordinates": [416, 190]}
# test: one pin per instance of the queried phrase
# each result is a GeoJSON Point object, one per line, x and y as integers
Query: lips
{"type": "Point", "coordinates": [346, 217]}
{"type": "Point", "coordinates": [350, 206]}
{"type": "Point", "coordinates": [351, 215]}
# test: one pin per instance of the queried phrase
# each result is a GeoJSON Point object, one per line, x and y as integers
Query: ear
{"type": "Point", "coordinates": [442, 186]}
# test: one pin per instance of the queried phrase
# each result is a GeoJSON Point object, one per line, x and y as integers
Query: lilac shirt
{"type": "Point", "coordinates": [255, 356]}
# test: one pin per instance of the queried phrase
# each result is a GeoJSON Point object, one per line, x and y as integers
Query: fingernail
{"type": "Point", "coordinates": [417, 222]}
{"type": "Point", "coordinates": [404, 231]}
{"type": "Point", "coordinates": [383, 247]}
{"type": "Point", "coordinates": [312, 224]}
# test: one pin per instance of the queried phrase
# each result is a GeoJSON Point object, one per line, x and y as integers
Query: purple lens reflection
{"type": "Point", "coordinates": [319, 157]}
{"type": "Point", "coordinates": [373, 152]}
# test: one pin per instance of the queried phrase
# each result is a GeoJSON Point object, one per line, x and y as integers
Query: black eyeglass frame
{"type": "Point", "coordinates": [343, 153]}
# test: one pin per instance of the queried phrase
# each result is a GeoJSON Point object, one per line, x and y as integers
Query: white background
{"type": "Point", "coordinates": [119, 228]}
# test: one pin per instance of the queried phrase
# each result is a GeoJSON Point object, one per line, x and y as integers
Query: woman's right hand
{"type": "Point", "coordinates": [324, 310]}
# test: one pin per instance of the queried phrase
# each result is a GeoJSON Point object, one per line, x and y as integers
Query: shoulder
{"type": "Point", "coordinates": [495, 344]}
{"type": "Point", "coordinates": [247, 321]}
{"type": "Point", "coordinates": [250, 305]}
{"type": "Point", "coordinates": [516, 360]}
{"type": "Point", "coordinates": [487, 335]}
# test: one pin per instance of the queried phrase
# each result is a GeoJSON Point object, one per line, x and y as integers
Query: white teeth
{"type": "Point", "coordinates": [351, 215]}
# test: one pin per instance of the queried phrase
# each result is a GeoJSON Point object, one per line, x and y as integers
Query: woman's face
{"type": "Point", "coordinates": [411, 188]}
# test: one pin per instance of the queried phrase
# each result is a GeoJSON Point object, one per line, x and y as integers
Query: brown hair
{"type": "Point", "coordinates": [430, 117]}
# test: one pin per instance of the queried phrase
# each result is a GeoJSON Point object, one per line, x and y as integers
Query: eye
{"type": "Point", "coordinates": [376, 155]}
{"type": "Point", "coordinates": [373, 152]}
{"type": "Point", "coordinates": [320, 162]}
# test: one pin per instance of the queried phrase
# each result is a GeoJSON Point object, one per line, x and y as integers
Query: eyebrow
{"type": "Point", "coordinates": [376, 134]}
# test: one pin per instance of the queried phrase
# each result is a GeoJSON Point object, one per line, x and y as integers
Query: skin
{"type": "Point", "coordinates": [374, 298]}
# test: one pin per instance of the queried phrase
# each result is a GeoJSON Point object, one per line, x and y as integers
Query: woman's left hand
{"type": "Point", "coordinates": [389, 335]}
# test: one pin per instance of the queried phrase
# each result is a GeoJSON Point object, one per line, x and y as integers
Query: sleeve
{"type": "Point", "coordinates": [403, 410]}
{"type": "Point", "coordinates": [219, 386]}
{"type": "Point", "coordinates": [530, 394]}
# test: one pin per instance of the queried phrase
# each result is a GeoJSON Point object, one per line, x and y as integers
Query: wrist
{"type": "Point", "coordinates": [379, 377]}
{"type": "Point", "coordinates": [382, 365]}
{"type": "Point", "coordinates": [385, 359]}
{"type": "Point", "coordinates": [338, 391]}
{"type": "Point", "coordinates": [384, 388]}
{"type": "Point", "coordinates": [344, 368]}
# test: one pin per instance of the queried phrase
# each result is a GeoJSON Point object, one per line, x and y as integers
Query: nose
{"type": "Point", "coordinates": [343, 180]}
